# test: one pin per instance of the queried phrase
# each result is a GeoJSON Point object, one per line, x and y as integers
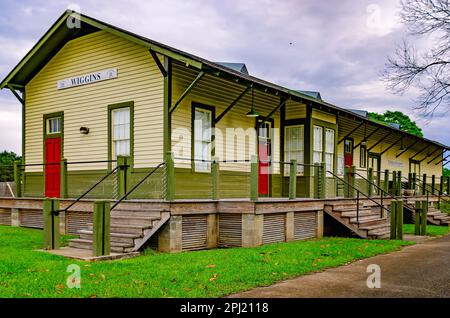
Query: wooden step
{"type": "Point", "coordinates": [115, 246]}
{"type": "Point", "coordinates": [114, 237]}
{"type": "Point", "coordinates": [380, 231]}
{"type": "Point", "coordinates": [367, 219]}
{"type": "Point", "coordinates": [126, 229]}
{"type": "Point", "coordinates": [349, 214]}
{"type": "Point", "coordinates": [127, 220]}
{"type": "Point", "coordinates": [374, 226]}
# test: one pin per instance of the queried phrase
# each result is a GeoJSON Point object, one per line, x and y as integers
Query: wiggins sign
{"type": "Point", "coordinates": [87, 78]}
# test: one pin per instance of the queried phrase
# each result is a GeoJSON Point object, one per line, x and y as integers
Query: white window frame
{"type": "Point", "coordinates": [122, 137]}
{"type": "Point", "coordinates": [203, 143]}
{"type": "Point", "coordinates": [300, 150]}
{"type": "Point", "coordinates": [329, 149]}
{"type": "Point", "coordinates": [49, 125]}
{"type": "Point", "coordinates": [317, 144]}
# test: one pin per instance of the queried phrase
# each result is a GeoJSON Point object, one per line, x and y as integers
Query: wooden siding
{"type": "Point", "coordinates": [305, 225]}
{"type": "Point", "coordinates": [31, 218]}
{"type": "Point", "coordinates": [230, 230]}
{"type": "Point", "coordinates": [194, 232]}
{"type": "Point", "coordinates": [139, 80]}
{"type": "Point", "coordinates": [274, 228]}
{"type": "Point", "coordinates": [324, 116]}
{"type": "Point", "coordinates": [5, 216]}
{"type": "Point", "coordinates": [76, 221]}
{"type": "Point", "coordinates": [295, 110]}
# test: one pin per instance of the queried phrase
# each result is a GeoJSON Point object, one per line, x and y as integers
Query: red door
{"type": "Point", "coordinates": [263, 168]}
{"type": "Point", "coordinates": [264, 153]}
{"type": "Point", "coordinates": [52, 167]}
{"type": "Point", "coordinates": [348, 152]}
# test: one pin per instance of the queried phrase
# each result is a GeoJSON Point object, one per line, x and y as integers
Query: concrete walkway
{"type": "Point", "coordinates": [421, 270]}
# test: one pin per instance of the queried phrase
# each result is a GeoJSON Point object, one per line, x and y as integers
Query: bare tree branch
{"type": "Point", "coordinates": [429, 71]}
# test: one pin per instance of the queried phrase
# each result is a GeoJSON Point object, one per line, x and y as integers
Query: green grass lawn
{"type": "Point", "coordinates": [432, 230]}
{"type": "Point", "coordinates": [25, 272]}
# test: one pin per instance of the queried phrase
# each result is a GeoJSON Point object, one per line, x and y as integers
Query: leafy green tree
{"type": "Point", "coordinates": [7, 159]}
{"type": "Point", "coordinates": [396, 117]}
{"type": "Point", "coordinates": [446, 172]}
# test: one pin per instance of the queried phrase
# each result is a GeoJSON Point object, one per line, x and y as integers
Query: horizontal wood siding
{"type": "Point", "coordinates": [139, 80]}
{"type": "Point", "coordinates": [230, 230]}
{"type": "Point", "coordinates": [31, 218]}
{"type": "Point", "coordinates": [274, 228]}
{"type": "Point", "coordinates": [305, 225]}
{"type": "Point", "coordinates": [5, 216]}
{"type": "Point", "coordinates": [76, 221]}
{"type": "Point", "coordinates": [194, 232]}
{"type": "Point", "coordinates": [295, 110]}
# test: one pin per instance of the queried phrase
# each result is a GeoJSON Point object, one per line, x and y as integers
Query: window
{"type": "Point", "coordinates": [121, 132]}
{"type": "Point", "coordinates": [294, 148]}
{"type": "Point", "coordinates": [318, 144]}
{"type": "Point", "coordinates": [329, 149]}
{"type": "Point", "coordinates": [53, 125]}
{"type": "Point", "coordinates": [202, 138]}
{"type": "Point", "coordinates": [363, 156]}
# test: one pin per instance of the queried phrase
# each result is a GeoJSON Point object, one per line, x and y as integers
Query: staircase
{"type": "Point", "coordinates": [129, 230]}
{"type": "Point", "coordinates": [370, 224]}
{"type": "Point", "coordinates": [436, 217]}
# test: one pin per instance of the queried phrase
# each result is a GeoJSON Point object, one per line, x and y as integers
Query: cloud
{"type": "Point", "coordinates": [338, 47]}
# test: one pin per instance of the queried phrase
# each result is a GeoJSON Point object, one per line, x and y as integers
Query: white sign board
{"type": "Point", "coordinates": [393, 163]}
{"type": "Point", "coordinates": [87, 78]}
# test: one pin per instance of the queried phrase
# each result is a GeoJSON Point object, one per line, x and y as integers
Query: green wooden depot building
{"type": "Point", "coordinates": [198, 154]}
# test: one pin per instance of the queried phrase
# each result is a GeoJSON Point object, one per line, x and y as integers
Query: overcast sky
{"type": "Point", "coordinates": [336, 47]}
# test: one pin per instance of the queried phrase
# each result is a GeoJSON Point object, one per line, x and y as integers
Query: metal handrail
{"type": "Point", "coordinates": [358, 194]}
{"type": "Point", "coordinates": [123, 197]}
{"type": "Point", "coordinates": [89, 190]}
{"type": "Point", "coordinates": [428, 192]}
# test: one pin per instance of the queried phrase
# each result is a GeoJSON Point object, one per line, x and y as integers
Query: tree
{"type": "Point", "coordinates": [406, 124]}
{"type": "Point", "coordinates": [7, 159]}
{"type": "Point", "coordinates": [426, 70]}
{"type": "Point", "coordinates": [446, 172]}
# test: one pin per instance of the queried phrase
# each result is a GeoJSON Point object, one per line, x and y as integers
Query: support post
{"type": "Point", "coordinates": [399, 183]}
{"type": "Point", "coordinates": [254, 178]}
{"type": "Point", "coordinates": [394, 183]}
{"type": "Point", "coordinates": [424, 218]}
{"type": "Point", "coordinates": [293, 180]}
{"type": "Point", "coordinates": [433, 184]}
{"type": "Point", "coordinates": [386, 181]}
{"type": "Point", "coordinates": [399, 216]}
{"type": "Point", "coordinates": [409, 180]}
{"type": "Point", "coordinates": [170, 177]}
{"type": "Point", "coordinates": [441, 184]}
{"type": "Point", "coordinates": [51, 223]}
{"type": "Point", "coordinates": [393, 219]}
{"type": "Point", "coordinates": [102, 221]}
{"type": "Point", "coordinates": [121, 176]}
{"type": "Point", "coordinates": [215, 178]}
{"type": "Point", "coordinates": [347, 182]}
{"type": "Point", "coordinates": [319, 182]}
{"type": "Point", "coordinates": [396, 220]}
{"type": "Point", "coordinates": [424, 184]}
{"type": "Point", "coordinates": [64, 183]}
{"type": "Point", "coordinates": [417, 218]}
{"type": "Point", "coordinates": [414, 182]}
{"type": "Point", "coordinates": [370, 181]}
{"type": "Point", "coordinates": [448, 185]}
{"type": "Point", "coordinates": [18, 177]}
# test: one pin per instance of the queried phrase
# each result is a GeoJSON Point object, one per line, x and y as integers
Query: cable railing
{"type": "Point", "coordinates": [85, 193]}
{"type": "Point", "coordinates": [358, 195]}
{"type": "Point", "coordinates": [137, 185]}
